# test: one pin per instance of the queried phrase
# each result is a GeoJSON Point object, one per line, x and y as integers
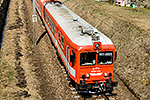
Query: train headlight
{"type": "Point", "coordinates": [97, 45]}
{"type": "Point", "coordinates": [87, 75]}
{"type": "Point", "coordinates": [105, 74]}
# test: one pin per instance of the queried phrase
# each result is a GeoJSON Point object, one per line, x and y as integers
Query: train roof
{"type": "Point", "coordinates": [77, 29]}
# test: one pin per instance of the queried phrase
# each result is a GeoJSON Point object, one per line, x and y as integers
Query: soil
{"type": "Point", "coordinates": [17, 80]}
{"type": "Point", "coordinates": [29, 72]}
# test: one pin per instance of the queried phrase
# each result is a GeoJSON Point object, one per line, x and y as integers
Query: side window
{"type": "Point", "coordinates": [44, 13]}
{"type": "Point", "coordinates": [58, 36]}
{"type": "Point", "coordinates": [46, 17]}
{"type": "Point", "coordinates": [52, 26]}
{"type": "Point", "coordinates": [73, 57]}
{"type": "Point", "coordinates": [68, 52]}
{"type": "Point", "coordinates": [55, 30]}
{"type": "Point", "coordinates": [40, 7]}
{"type": "Point", "coordinates": [62, 41]}
{"type": "Point", "coordinates": [50, 21]}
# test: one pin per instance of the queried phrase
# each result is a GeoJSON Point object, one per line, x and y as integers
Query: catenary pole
{"type": "Point", "coordinates": [34, 23]}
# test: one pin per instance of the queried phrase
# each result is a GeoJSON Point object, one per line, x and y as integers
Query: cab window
{"type": "Point", "coordinates": [88, 58]}
{"type": "Point", "coordinates": [105, 58]}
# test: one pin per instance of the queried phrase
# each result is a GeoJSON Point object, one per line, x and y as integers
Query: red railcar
{"type": "Point", "coordinates": [87, 54]}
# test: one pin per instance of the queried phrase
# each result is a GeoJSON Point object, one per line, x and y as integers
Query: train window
{"type": "Point", "coordinates": [105, 58]}
{"type": "Point", "coordinates": [44, 14]}
{"type": "Point", "coordinates": [55, 30]}
{"type": "Point", "coordinates": [50, 21]}
{"type": "Point", "coordinates": [40, 7]}
{"type": "Point", "coordinates": [73, 58]}
{"type": "Point", "coordinates": [62, 41]}
{"type": "Point", "coordinates": [59, 36]}
{"type": "Point", "coordinates": [88, 58]}
{"type": "Point", "coordinates": [46, 17]}
{"type": "Point", "coordinates": [52, 26]}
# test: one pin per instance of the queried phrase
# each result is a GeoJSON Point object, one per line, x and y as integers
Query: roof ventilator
{"type": "Point", "coordinates": [57, 3]}
{"type": "Point", "coordinates": [92, 32]}
{"type": "Point", "coordinates": [75, 19]}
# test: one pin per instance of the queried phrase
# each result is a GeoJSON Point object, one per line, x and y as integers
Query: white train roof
{"type": "Point", "coordinates": [72, 25]}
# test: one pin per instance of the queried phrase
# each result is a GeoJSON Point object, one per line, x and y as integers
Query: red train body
{"type": "Point", "coordinates": [87, 54]}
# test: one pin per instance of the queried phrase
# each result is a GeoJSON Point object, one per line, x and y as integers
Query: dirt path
{"type": "Point", "coordinates": [17, 80]}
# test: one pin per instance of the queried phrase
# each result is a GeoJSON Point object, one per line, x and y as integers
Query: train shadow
{"type": "Point", "coordinates": [40, 37]}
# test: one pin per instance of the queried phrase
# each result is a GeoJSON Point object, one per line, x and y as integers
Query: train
{"type": "Point", "coordinates": [87, 54]}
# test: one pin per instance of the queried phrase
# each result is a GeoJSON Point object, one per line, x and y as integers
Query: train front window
{"type": "Point", "coordinates": [88, 58]}
{"type": "Point", "coordinates": [105, 58]}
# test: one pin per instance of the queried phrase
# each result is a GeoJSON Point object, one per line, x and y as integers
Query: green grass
{"type": "Point", "coordinates": [148, 82]}
{"type": "Point", "coordinates": [100, 13]}
{"type": "Point", "coordinates": [83, 8]}
{"type": "Point", "coordinates": [7, 70]}
{"type": "Point", "coordinates": [17, 44]}
{"type": "Point", "coordinates": [10, 73]}
{"type": "Point", "coordinates": [97, 1]}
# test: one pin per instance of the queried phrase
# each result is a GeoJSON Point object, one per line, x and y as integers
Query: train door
{"type": "Point", "coordinates": [71, 56]}
{"type": "Point", "coordinates": [68, 58]}
{"type": "Point", "coordinates": [71, 61]}
{"type": "Point", "coordinates": [44, 13]}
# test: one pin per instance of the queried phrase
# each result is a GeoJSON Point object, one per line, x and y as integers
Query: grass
{"type": "Point", "coordinates": [17, 44]}
{"type": "Point", "coordinates": [6, 70]}
{"type": "Point", "coordinates": [100, 13]}
{"type": "Point", "coordinates": [97, 1]}
{"type": "Point", "coordinates": [9, 79]}
{"type": "Point", "coordinates": [10, 73]}
{"type": "Point", "coordinates": [148, 82]}
{"type": "Point", "coordinates": [83, 8]}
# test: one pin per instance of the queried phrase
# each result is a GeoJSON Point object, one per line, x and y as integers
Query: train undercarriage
{"type": "Point", "coordinates": [95, 88]}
